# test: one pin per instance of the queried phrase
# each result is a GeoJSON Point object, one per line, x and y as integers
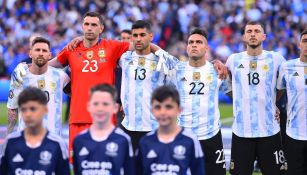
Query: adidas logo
{"type": "Point", "coordinates": [83, 152]}
{"type": "Point", "coordinates": [17, 158]}
{"type": "Point", "coordinates": [183, 79]}
{"type": "Point", "coordinates": [295, 74]}
{"type": "Point", "coordinates": [241, 66]}
{"type": "Point", "coordinates": [151, 154]}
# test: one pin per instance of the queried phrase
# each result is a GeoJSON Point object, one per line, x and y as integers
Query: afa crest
{"type": "Point", "coordinates": [253, 65]}
{"type": "Point", "coordinates": [41, 84]}
{"type": "Point", "coordinates": [141, 61]}
{"type": "Point", "coordinates": [89, 54]}
{"type": "Point", "coordinates": [196, 76]}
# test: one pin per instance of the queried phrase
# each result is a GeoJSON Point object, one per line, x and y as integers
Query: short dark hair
{"type": "Point", "coordinates": [94, 14]}
{"type": "Point", "coordinates": [164, 92]}
{"type": "Point", "coordinates": [199, 32]}
{"type": "Point", "coordinates": [126, 31]}
{"type": "Point", "coordinates": [304, 32]}
{"type": "Point", "coordinates": [32, 94]}
{"type": "Point", "coordinates": [40, 39]}
{"type": "Point", "coordinates": [254, 23]}
{"type": "Point", "coordinates": [140, 24]}
{"type": "Point", "coordinates": [105, 88]}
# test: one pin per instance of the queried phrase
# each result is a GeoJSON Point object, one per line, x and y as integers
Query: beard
{"type": "Point", "coordinates": [40, 61]}
{"type": "Point", "coordinates": [254, 46]}
{"type": "Point", "coordinates": [195, 58]}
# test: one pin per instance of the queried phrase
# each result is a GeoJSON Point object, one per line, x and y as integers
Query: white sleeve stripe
{"type": "Point", "coordinates": [10, 136]}
{"type": "Point", "coordinates": [197, 147]}
{"type": "Point", "coordinates": [61, 143]}
{"type": "Point", "coordinates": [121, 132]}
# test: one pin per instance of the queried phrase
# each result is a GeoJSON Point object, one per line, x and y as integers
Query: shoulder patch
{"type": "Point", "coordinates": [11, 94]}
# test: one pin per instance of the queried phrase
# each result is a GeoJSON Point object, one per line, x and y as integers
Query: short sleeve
{"type": "Point", "coordinates": [13, 95]}
{"type": "Point", "coordinates": [281, 81]}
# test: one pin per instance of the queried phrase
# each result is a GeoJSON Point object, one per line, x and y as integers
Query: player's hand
{"type": "Point", "coordinates": [277, 115]}
{"type": "Point", "coordinates": [166, 62]}
{"type": "Point", "coordinates": [74, 43]}
{"type": "Point", "coordinates": [18, 74]}
{"type": "Point", "coordinates": [221, 69]}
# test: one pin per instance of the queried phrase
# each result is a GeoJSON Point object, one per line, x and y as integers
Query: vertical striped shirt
{"type": "Point", "coordinates": [52, 83]}
{"type": "Point", "coordinates": [293, 78]}
{"type": "Point", "coordinates": [198, 89]}
{"type": "Point", "coordinates": [254, 93]}
{"type": "Point", "coordinates": [139, 79]}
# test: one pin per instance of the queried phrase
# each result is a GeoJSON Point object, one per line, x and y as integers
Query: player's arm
{"type": "Point", "coordinates": [281, 81]}
{"type": "Point", "coordinates": [12, 116]}
{"type": "Point", "coordinates": [220, 68]}
{"type": "Point", "coordinates": [12, 107]}
{"type": "Point", "coordinates": [55, 63]}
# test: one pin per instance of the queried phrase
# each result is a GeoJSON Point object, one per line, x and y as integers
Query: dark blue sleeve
{"type": "Point", "coordinates": [129, 164]}
{"type": "Point", "coordinates": [62, 165]}
{"type": "Point", "coordinates": [197, 162]}
{"type": "Point", "coordinates": [139, 160]}
{"type": "Point", "coordinates": [75, 148]}
{"type": "Point", "coordinates": [3, 164]}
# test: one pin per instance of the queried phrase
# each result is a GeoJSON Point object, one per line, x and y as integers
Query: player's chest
{"type": "Point", "coordinates": [91, 61]}
{"type": "Point", "coordinates": [297, 78]}
{"type": "Point", "coordinates": [141, 68]}
{"type": "Point", "coordinates": [50, 83]}
{"type": "Point", "coordinates": [197, 82]}
{"type": "Point", "coordinates": [254, 72]}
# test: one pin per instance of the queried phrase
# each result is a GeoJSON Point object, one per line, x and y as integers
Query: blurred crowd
{"type": "Point", "coordinates": [60, 21]}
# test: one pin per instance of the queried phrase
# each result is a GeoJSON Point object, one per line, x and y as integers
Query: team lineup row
{"type": "Point", "coordinates": [255, 76]}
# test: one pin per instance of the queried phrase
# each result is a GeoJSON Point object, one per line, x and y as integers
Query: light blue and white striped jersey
{"type": "Point", "coordinates": [198, 88]}
{"type": "Point", "coordinates": [139, 79]}
{"type": "Point", "coordinates": [293, 78]}
{"type": "Point", "coordinates": [254, 93]}
{"type": "Point", "coordinates": [52, 83]}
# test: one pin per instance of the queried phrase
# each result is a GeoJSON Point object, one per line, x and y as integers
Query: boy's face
{"type": "Point", "coordinates": [101, 107]}
{"type": "Point", "coordinates": [33, 113]}
{"type": "Point", "coordinates": [166, 112]}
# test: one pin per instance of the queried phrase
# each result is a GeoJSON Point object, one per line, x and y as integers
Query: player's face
{"type": "Point", "coordinates": [302, 45]}
{"type": "Point", "coordinates": [141, 38]}
{"type": "Point", "coordinates": [40, 54]}
{"type": "Point", "coordinates": [125, 37]}
{"type": "Point", "coordinates": [101, 107]}
{"type": "Point", "coordinates": [33, 113]}
{"type": "Point", "coordinates": [91, 28]}
{"type": "Point", "coordinates": [253, 35]}
{"type": "Point", "coordinates": [166, 112]}
{"type": "Point", "coordinates": [197, 47]}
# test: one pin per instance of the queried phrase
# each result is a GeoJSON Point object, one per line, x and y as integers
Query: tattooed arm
{"type": "Point", "coordinates": [12, 119]}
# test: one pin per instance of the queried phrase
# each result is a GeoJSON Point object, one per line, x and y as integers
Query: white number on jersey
{"type": "Point", "coordinates": [90, 66]}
